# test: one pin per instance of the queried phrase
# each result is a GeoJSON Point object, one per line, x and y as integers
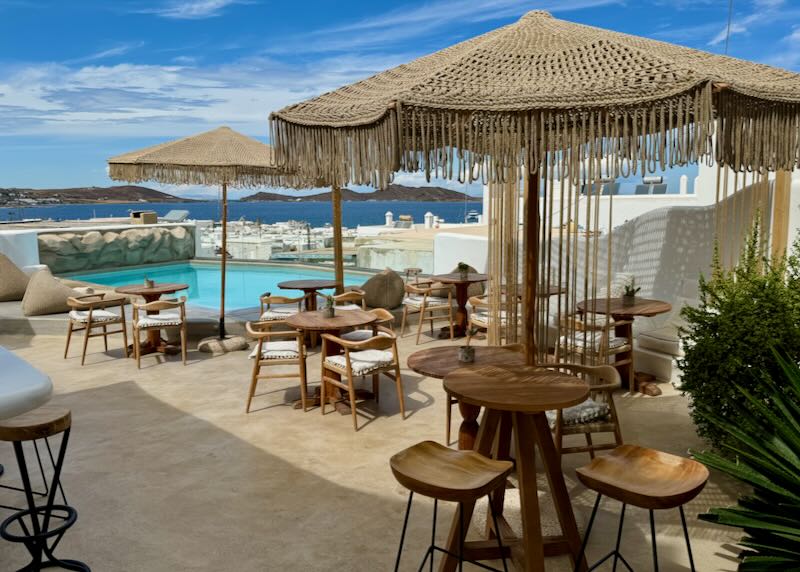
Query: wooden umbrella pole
{"type": "Point", "coordinates": [224, 259]}
{"type": "Point", "coordinates": [531, 265]}
{"type": "Point", "coordinates": [338, 256]}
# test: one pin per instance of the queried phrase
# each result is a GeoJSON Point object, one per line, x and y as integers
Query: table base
{"type": "Point", "coordinates": [163, 347]}
{"type": "Point", "coordinates": [340, 404]}
{"type": "Point", "coordinates": [444, 332]}
{"type": "Point", "coordinates": [530, 432]}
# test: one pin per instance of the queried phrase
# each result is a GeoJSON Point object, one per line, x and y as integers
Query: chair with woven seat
{"type": "Point", "coordinates": [480, 318]}
{"type": "Point", "coordinates": [94, 311]}
{"type": "Point", "coordinates": [420, 300]}
{"type": "Point", "coordinates": [352, 299]}
{"type": "Point", "coordinates": [647, 479]}
{"type": "Point", "coordinates": [155, 317]}
{"type": "Point", "coordinates": [593, 340]}
{"type": "Point", "coordinates": [374, 356]}
{"type": "Point", "coordinates": [278, 307]}
{"type": "Point", "coordinates": [277, 348]}
{"type": "Point", "coordinates": [383, 317]}
{"type": "Point", "coordinates": [438, 472]}
{"type": "Point", "coordinates": [597, 414]}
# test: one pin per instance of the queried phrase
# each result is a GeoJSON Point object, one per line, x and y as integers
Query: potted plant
{"type": "Point", "coordinates": [629, 294]}
{"type": "Point", "coordinates": [328, 311]}
{"type": "Point", "coordinates": [463, 270]}
{"type": "Point", "coordinates": [148, 283]}
{"type": "Point", "coordinates": [466, 353]}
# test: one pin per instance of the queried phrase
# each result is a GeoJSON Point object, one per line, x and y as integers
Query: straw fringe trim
{"type": "Point", "coordinates": [742, 132]}
{"type": "Point", "coordinates": [234, 176]}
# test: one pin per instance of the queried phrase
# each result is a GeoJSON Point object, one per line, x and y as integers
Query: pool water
{"type": "Point", "coordinates": [244, 282]}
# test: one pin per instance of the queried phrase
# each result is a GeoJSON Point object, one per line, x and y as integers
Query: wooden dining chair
{"type": "Point", "coordinates": [152, 315]}
{"type": "Point", "coordinates": [594, 341]}
{"type": "Point", "coordinates": [420, 300]}
{"type": "Point", "coordinates": [277, 348]}
{"type": "Point", "coordinates": [353, 299]}
{"type": "Point", "coordinates": [383, 317]}
{"type": "Point", "coordinates": [599, 411]}
{"type": "Point", "coordinates": [279, 307]}
{"type": "Point", "coordinates": [374, 356]}
{"type": "Point", "coordinates": [91, 312]}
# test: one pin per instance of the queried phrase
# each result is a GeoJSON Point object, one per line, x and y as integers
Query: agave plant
{"type": "Point", "coordinates": [765, 444]}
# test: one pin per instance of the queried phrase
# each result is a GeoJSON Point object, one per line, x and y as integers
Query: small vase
{"type": "Point", "coordinates": [628, 300]}
{"type": "Point", "coordinates": [466, 354]}
{"type": "Point", "coordinates": [148, 283]}
{"type": "Point", "coordinates": [329, 312]}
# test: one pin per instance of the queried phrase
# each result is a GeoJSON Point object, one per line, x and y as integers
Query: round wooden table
{"type": "Point", "coordinates": [626, 313]}
{"type": "Point", "coordinates": [516, 399]}
{"type": "Point", "coordinates": [315, 321]}
{"type": "Point", "coordinates": [309, 288]}
{"type": "Point", "coordinates": [438, 362]}
{"type": "Point", "coordinates": [462, 284]}
{"type": "Point", "coordinates": [154, 342]}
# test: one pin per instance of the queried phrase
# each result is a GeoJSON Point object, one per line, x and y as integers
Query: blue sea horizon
{"type": "Point", "coordinates": [316, 213]}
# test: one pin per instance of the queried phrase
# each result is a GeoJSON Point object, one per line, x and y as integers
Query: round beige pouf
{"type": "Point", "coordinates": [216, 346]}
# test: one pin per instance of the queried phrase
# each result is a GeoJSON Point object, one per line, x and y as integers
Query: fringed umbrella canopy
{"type": "Point", "coordinates": [512, 96]}
{"type": "Point", "coordinates": [220, 156]}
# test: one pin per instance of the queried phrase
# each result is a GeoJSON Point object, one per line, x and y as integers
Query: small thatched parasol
{"type": "Point", "coordinates": [218, 157]}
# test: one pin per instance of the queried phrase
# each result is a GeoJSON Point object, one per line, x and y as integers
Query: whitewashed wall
{"type": "Point", "coordinates": [450, 248]}
{"type": "Point", "coordinates": [21, 246]}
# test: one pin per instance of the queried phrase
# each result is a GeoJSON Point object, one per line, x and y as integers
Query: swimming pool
{"type": "Point", "coordinates": [244, 282]}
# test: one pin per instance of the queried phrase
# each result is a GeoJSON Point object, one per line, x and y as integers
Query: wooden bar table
{"type": "Point", "coordinates": [317, 323]}
{"type": "Point", "coordinates": [438, 362]}
{"type": "Point", "coordinates": [462, 284]}
{"type": "Point", "coordinates": [516, 399]}
{"type": "Point", "coordinates": [309, 288]}
{"type": "Point", "coordinates": [154, 342]}
{"type": "Point", "coordinates": [622, 312]}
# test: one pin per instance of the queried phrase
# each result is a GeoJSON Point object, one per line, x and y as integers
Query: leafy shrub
{"type": "Point", "coordinates": [743, 313]}
{"type": "Point", "coordinates": [765, 439]}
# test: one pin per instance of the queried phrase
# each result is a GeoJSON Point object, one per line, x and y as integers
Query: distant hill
{"type": "Point", "coordinates": [82, 195]}
{"type": "Point", "coordinates": [390, 193]}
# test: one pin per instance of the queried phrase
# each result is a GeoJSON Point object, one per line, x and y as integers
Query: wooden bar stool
{"type": "Point", "coordinates": [435, 471]}
{"type": "Point", "coordinates": [34, 526]}
{"type": "Point", "coordinates": [645, 478]}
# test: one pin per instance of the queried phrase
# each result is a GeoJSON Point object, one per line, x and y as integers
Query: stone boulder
{"type": "Point", "coordinates": [384, 290]}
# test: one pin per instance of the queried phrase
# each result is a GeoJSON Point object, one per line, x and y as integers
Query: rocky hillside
{"type": "Point", "coordinates": [78, 195]}
{"type": "Point", "coordinates": [390, 193]}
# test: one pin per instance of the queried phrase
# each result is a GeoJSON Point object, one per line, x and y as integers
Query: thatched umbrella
{"type": "Point", "coordinates": [542, 93]}
{"type": "Point", "coordinates": [219, 157]}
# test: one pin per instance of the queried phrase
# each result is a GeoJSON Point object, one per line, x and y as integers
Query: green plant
{"type": "Point", "coordinates": [765, 441]}
{"type": "Point", "coordinates": [463, 267]}
{"type": "Point", "coordinates": [328, 302]}
{"type": "Point", "coordinates": [631, 289]}
{"type": "Point", "coordinates": [742, 314]}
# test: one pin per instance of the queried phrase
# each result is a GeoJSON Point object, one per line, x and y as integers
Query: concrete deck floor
{"type": "Point", "coordinates": [169, 474]}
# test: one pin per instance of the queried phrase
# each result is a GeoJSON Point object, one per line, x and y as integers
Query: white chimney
{"type": "Point", "coordinates": [684, 184]}
{"type": "Point", "coordinates": [429, 219]}
{"type": "Point", "coordinates": [389, 218]}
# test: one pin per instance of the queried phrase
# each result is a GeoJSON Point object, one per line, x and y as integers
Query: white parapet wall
{"type": "Point", "coordinates": [451, 248]}
{"type": "Point", "coordinates": [21, 246]}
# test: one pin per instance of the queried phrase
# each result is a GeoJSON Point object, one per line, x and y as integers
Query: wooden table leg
{"type": "Point", "coordinates": [468, 430]}
{"type": "Point", "coordinates": [529, 555]}
{"type": "Point", "coordinates": [483, 445]}
{"type": "Point", "coordinates": [626, 369]}
{"type": "Point", "coordinates": [558, 489]}
{"type": "Point", "coordinates": [460, 325]}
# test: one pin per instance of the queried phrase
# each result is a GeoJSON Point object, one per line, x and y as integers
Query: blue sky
{"type": "Point", "coordinates": [81, 81]}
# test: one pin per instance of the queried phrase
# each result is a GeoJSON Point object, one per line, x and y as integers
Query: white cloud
{"type": "Point", "coordinates": [118, 50]}
{"type": "Point", "coordinates": [722, 34]}
{"type": "Point", "coordinates": [191, 9]}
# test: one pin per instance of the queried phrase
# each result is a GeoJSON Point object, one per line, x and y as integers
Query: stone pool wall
{"type": "Point", "coordinates": [70, 250]}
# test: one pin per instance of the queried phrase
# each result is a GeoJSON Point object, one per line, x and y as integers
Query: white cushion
{"type": "Point", "coordinates": [97, 315]}
{"type": "Point", "coordinates": [432, 302]}
{"type": "Point", "coordinates": [349, 307]}
{"type": "Point", "coordinates": [361, 335]}
{"type": "Point", "coordinates": [593, 341]}
{"type": "Point", "coordinates": [589, 411]}
{"type": "Point", "coordinates": [162, 320]}
{"type": "Point", "coordinates": [362, 362]}
{"type": "Point", "coordinates": [277, 314]}
{"type": "Point", "coordinates": [283, 349]}
{"type": "Point", "coordinates": [664, 340]}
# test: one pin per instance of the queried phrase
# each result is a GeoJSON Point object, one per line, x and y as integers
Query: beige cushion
{"type": "Point", "coordinates": [349, 307]}
{"type": "Point", "coordinates": [384, 290]}
{"type": "Point", "coordinates": [593, 340]}
{"type": "Point", "coordinates": [278, 313]}
{"type": "Point", "coordinates": [664, 340]}
{"type": "Point", "coordinates": [46, 294]}
{"type": "Point", "coordinates": [431, 302]}
{"type": "Point", "coordinates": [362, 362]}
{"type": "Point", "coordinates": [97, 316]}
{"type": "Point", "coordinates": [160, 320]}
{"type": "Point", "coordinates": [282, 349]}
{"type": "Point", "coordinates": [590, 411]}
{"type": "Point", "coordinates": [361, 335]}
{"type": "Point", "coordinates": [13, 281]}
